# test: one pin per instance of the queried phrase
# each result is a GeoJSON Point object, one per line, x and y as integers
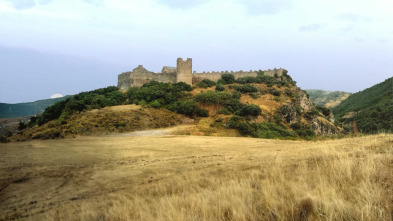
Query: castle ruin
{"type": "Point", "coordinates": [181, 73]}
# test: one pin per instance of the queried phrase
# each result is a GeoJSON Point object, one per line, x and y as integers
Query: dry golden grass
{"type": "Point", "coordinates": [197, 178]}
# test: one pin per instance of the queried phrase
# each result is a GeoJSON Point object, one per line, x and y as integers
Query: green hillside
{"type": "Point", "coordinates": [261, 106]}
{"type": "Point", "coordinates": [26, 109]}
{"type": "Point", "coordinates": [327, 98]}
{"type": "Point", "coordinates": [371, 109]}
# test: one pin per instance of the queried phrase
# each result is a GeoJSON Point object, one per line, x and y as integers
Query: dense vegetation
{"type": "Point", "coordinates": [26, 109]}
{"type": "Point", "coordinates": [371, 108]}
{"type": "Point", "coordinates": [178, 98]}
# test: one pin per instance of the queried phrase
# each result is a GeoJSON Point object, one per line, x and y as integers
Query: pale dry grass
{"type": "Point", "coordinates": [197, 178]}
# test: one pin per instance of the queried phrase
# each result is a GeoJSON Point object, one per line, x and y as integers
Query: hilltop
{"type": "Point", "coordinates": [261, 106]}
{"type": "Point", "coordinates": [370, 109]}
{"type": "Point", "coordinates": [327, 99]}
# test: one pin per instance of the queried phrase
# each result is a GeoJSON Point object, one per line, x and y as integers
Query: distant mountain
{"type": "Point", "coordinates": [327, 98]}
{"type": "Point", "coordinates": [26, 109]}
{"type": "Point", "coordinates": [371, 109]}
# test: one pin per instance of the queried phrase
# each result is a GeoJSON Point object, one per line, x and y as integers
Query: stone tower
{"type": "Point", "coordinates": [184, 71]}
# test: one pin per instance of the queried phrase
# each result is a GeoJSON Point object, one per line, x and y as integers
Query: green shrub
{"type": "Point", "coordinates": [246, 88]}
{"type": "Point", "coordinates": [227, 79]}
{"type": "Point", "coordinates": [211, 97]}
{"type": "Point", "coordinates": [220, 87]}
{"type": "Point", "coordinates": [202, 113]}
{"type": "Point", "coordinates": [155, 104]}
{"type": "Point", "coordinates": [205, 83]}
{"type": "Point", "coordinates": [250, 110]}
{"type": "Point", "coordinates": [275, 92]}
{"type": "Point", "coordinates": [247, 80]}
{"type": "Point", "coordinates": [224, 111]}
{"type": "Point", "coordinates": [186, 107]}
{"type": "Point", "coordinates": [236, 94]}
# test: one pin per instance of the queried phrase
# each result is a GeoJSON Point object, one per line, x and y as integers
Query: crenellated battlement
{"type": "Point", "coordinates": [182, 73]}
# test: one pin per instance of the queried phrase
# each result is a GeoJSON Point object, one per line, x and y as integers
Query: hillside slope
{"type": "Point", "coordinates": [371, 109]}
{"type": "Point", "coordinates": [262, 106]}
{"type": "Point", "coordinates": [327, 98]}
{"type": "Point", "coordinates": [27, 109]}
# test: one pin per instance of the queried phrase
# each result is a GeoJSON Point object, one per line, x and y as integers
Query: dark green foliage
{"type": "Point", "coordinates": [374, 108]}
{"type": "Point", "coordinates": [312, 113]}
{"type": "Point", "coordinates": [236, 94]}
{"type": "Point", "coordinates": [224, 111]}
{"type": "Point", "coordinates": [27, 109]}
{"type": "Point", "coordinates": [246, 88]}
{"type": "Point", "coordinates": [296, 126]}
{"type": "Point", "coordinates": [211, 97]}
{"type": "Point", "coordinates": [22, 125]}
{"type": "Point", "coordinates": [250, 110]}
{"type": "Point", "coordinates": [234, 105]}
{"type": "Point", "coordinates": [325, 111]}
{"type": "Point", "coordinates": [52, 112]}
{"type": "Point", "coordinates": [302, 130]}
{"type": "Point", "coordinates": [275, 92]}
{"type": "Point", "coordinates": [187, 107]}
{"type": "Point", "coordinates": [155, 104]}
{"type": "Point", "coordinates": [246, 80]}
{"type": "Point", "coordinates": [205, 83]}
{"type": "Point", "coordinates": [220, 87]}
{"type": "Point", "coordinates": [288, 92]}
{"type": "Point", "coordinates": [269, 81]}
{"type": "Point", "coordinates": [227, 79]}
{"type": "Point", "coordinates": [165, 93]}
{"type": "Point", "coordinates": [203, 113]}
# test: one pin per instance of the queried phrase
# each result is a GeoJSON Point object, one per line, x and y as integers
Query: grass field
{"type": "Point", "coordinates": [197, 178]}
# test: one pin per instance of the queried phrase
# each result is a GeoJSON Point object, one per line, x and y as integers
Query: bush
{"type": "Point", "coordinates": [186, 107]}
{"type": "Point", "coordinates": [236, 95]}
{"type": "Point", "coordinates": [155, 104]}
{"type": "Point", "coordinates": [246, 88]}
{"type": "Point", "coordinates": [234, 121]}
{"type": "Point", "coordinates": [234, 105]}
{"type": "Point", "coordinates": [250, 110]}
{"type": "Point", "coordinates": [246, 80]}
{"type": "Point", "coordinates": [224, 111]}
{"type": "Point", "coordinates": [227, 79]}
{"type": "Point", "coordinates": [325, 111]}
{"type": "Point", "coordinates": [275, 92]}
{"type": "Point", "coordinates": [211, 97]}
{"type": "Point", "coordinates": [220, 87]}
{"type": "Point", "coordinates": [205, 83]}
{"type": "Point", "coordinates": [203, 113]}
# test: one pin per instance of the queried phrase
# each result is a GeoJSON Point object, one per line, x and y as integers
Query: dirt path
{"type": "Point", "coordinates": [154, 132]}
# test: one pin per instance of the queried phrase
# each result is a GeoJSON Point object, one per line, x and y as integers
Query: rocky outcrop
{"type": "Point", "coordinates": [303, 110]}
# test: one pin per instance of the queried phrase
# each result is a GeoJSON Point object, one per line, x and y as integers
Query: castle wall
{"type": "Point", "coordinates": [140, 76]}
{"type": "Point", "coordinates": [215, 76]}
{"type": "Point", "coordinates": [184, 71]}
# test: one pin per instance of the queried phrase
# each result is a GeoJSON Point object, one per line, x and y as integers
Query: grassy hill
{"type": "Point", "coordinates": [371, 109]}
{"type": "Point", "coordinates": [327, 98]}
{"type": "Point", "coordinates": [262, 106]}
{"type": "Point", "coordinates": [26, 109]}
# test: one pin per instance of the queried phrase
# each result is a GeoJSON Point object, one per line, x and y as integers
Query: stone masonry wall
{"type": "Point", "coordinates": [140, 76]}
{"type": "Point", "coordinates": [183, 73]}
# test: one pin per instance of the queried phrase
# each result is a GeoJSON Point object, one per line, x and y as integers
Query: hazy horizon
{"type": "Point", "coordinates": [55, 46]}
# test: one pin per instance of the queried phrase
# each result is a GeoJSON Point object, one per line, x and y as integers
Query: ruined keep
{"type": "Point", "coordinates": [181, 73]}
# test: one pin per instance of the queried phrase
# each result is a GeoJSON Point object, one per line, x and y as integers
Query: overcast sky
{"type": "Point", "coordinates": [56, 46]}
